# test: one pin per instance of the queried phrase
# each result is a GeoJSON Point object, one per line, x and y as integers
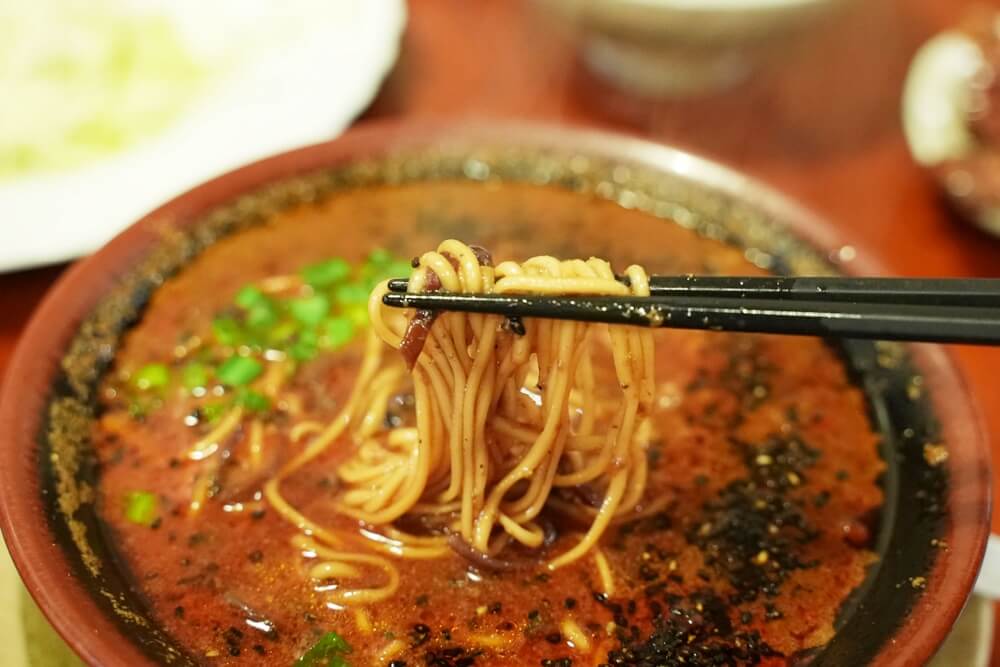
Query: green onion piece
{"type": "Point", "coordinates": [212, 412]}
{"type": "Point", "coordinates": [329, 651]}
{"type": "Point", "coordinates": [227, 331]}
{"type": "Point", "coordinates": [302, 350]}
{"type": "Point", "coordinates": [326, 273]}
{"type": "Point", "coordinates": [253, 401]}
{"type": "Point", "coordinates": [351, 293]}
{"type": "Point", "coordinates": [137, 409]}
{"type": "Point", "coordinates": [238, 371]}
{"type": "Point", "coordinates": [283, 331]}
{"type": "Point", "coordinates": [141, 508]}
{"type": "Point", "coordinates": [380, 257]}
{"type": "Point", "coordinates": [249, 296]}
{"type": "Point", "coordinates": [336, 332]}
{"type": "Point", "coordinates": [194, 375]}
{"type": "Point", "coordinates": [310, 310]}
{"type": "Point", "coordinates": [374, 274]}
{"type": "Point", "coordinates": [151, 376]}
{"type": "Point", "coordinates": [398, 269]}
{"type": "Point", "coordinates": [262, 315]}
{"type": "Point", "coordinates": [357, 313]}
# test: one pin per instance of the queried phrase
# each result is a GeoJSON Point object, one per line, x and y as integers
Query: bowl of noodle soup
{"type": "Point", "coordinates": [220, 448]}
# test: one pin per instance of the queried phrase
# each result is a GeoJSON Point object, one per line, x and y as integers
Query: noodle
{"type": "Point", "coordinates": [575, 635]}
{"type": "Point", "coordinates": [604, 570]}
{"type": "Point", "coordinates": [505, 418]}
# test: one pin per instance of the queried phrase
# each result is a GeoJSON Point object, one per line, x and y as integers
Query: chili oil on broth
{"type": "Point", "coordinates": [766, 461]}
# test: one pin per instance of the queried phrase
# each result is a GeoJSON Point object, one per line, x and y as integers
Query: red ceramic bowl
{"type": "Point", "coordinates": [935, 521]}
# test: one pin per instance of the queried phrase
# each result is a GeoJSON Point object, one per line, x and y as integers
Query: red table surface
{"type": "Point", "coordinates": [820, 123]}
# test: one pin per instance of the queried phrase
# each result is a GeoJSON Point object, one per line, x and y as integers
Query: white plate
{"type": "Point", "coordinates": [313, 66]}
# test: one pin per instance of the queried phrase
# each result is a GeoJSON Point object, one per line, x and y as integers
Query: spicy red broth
{"type": "Point", "coordinates": [765, 472]}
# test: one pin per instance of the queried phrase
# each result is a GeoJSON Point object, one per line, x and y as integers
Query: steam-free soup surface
{"type": "Point", "coordinates": [765, 469]}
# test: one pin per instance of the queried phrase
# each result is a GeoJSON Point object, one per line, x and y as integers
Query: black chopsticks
{"type": "Point", "coordinates": [933, 310]}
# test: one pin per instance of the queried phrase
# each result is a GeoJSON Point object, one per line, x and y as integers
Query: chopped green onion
{"type": "Point", "coordinates": [212, 412]}
{"type": "Point", "coordinates": [399, 269]}
{"type": "Point", "coordinates": [357, 313]}
{"type": "Point", "coordinates": [351, 293]}
{"type": "Point", "coordinates": [262, 315]}
{"type": "Point", "coordinates": [253, 401]}
{"type": "Point", "coordinates": [302, 350]}
{"type": "Point", "coordinates": [374, 274]}
{"type": "Point", "coordinates": [283, 331]}
{"type": "Point", "coordinates": [227, 331]}
{"type": "Point", "coordinates": [141, 508]}
{"type": "Point", "coordinates": [249, 296]}
{"type": "Point", "coordinates": [194, 375]}
{"type": "Point", "coordinates": [329, 651]}
{"type": "Point", "coordinates": [336, 332]}
{"type": "Point", "coordinates": [239, 371]}
{"type": "Point", "coordinates": [380, 257]}
{"type": "Point", "coordinates": [326, 273]}
{"type": "Point", "coordinates": [151, 376]}
{"type": "Point", "coordinates": [137, 409]}
{"type": "Point", "coordinates": [310, 310]}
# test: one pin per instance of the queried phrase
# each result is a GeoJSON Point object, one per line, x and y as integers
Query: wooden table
{"type": "Point", "coordinates": [821, 123]}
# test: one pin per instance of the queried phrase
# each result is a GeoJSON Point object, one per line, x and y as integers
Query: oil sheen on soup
{"type": "Point", "coordinates": [764, 471]}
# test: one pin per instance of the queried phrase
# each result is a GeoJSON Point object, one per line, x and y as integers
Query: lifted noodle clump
{"type": "Point", "coordinates": [510, 418]}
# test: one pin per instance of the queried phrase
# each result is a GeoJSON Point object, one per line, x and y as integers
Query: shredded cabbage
{"type": "Point", "coordinates": [82, 80]}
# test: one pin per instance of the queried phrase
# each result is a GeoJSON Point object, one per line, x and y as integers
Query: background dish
{"type": "Point", "coordinates": [321, 66]}
{"type": "Point", "coordinates": [669, 183]}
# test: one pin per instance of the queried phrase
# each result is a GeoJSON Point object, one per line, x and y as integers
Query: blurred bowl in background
{"type": "Point", "coordinates": [951, 115]}
{"type": "Point", "coordinates": [677, 48]}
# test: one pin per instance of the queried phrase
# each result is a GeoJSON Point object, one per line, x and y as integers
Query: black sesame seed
{"type": "Point", "coordinates": [569, 603]}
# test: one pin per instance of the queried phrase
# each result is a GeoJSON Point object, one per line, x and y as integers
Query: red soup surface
{"type": "Point", "coordinates": [764, 472]}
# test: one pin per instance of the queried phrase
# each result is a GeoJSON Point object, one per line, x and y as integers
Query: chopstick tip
{"type": "Point", "coordinates": [397, 284]}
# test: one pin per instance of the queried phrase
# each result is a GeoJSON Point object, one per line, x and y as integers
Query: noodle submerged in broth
{"type": "Point", "coordinates": [296, 473]}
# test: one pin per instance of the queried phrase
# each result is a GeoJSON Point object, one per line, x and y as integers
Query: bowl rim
{"type": "Point", "coordinates": [97, 638]}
